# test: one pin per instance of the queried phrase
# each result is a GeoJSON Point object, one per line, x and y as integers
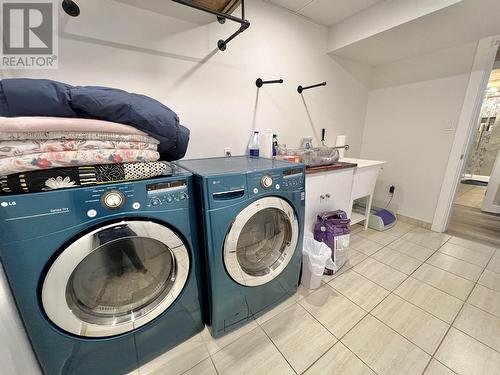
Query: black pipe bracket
{"type": "Point", "coordinates": [221, 18]}
{"type": "Point", "coordinates": [300, 88]}
{"type": "Point", "coordinates": [259, 83]}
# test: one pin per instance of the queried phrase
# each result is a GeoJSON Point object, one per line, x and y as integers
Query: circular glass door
{"type": "Point", "coordinates": [261, 241]}
{"type": "Point", "coordinates": [115, 279]}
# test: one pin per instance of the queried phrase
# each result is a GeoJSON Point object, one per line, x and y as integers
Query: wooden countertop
{"type": "Point", "coordinates": [332, 167]}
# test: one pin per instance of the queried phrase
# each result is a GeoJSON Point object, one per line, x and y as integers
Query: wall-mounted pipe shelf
{"type": "Point", "coordinates": [300, 88]}
{"type": "Point", "coordinates": [222, 16]}
{"type": "Point", "coordinates": [259, 83]}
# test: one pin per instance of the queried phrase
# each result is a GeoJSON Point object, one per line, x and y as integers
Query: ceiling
{"type": "Point", "coordinates": [464, 22]}
{"type": "Point", "coordinates": [325, 12]}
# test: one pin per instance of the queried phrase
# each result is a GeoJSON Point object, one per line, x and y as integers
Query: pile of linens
{"type": "Point", "coordinates": [54, 136]}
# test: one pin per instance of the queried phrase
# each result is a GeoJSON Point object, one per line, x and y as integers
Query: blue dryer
{"type": "Point", "coordinates": [105, 278]}
{"type": "Point", "coordinates": [253, 219]}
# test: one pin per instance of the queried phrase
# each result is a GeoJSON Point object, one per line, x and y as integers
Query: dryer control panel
{"type": "Point", "coordinates": [276, 180]}
{"type": "Point", "coordinates": [293, 179]}
{"type": "Point", "coordinates": [166, 193]}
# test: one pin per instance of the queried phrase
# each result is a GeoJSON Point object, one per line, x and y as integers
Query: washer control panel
{"type": "Point", "coordinates": [166, 193]}
{"type": "Point", "coordinates": [292, 179]}
{"type": "Point", "coordinates": [113, 199]}
{"type": "Point", "coordinates": [266, 181]}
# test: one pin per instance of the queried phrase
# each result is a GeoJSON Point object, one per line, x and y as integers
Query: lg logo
{"type": "Point", "coordinates": [29, 34]}
{"type": "Point", "coordinates": [7, 204]}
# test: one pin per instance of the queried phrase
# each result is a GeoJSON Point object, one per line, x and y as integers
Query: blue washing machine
{"type": "Point", "coordinates": [253, 219]}
{"type": "Point", "coordinates": [105, 278]}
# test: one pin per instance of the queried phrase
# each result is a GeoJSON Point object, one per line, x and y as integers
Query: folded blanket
{"type": "Point", "coordinates": [101, 136]}
{"type": "Point", "coordinates": [54, 124]}
{"type": "Point", "coordinates": [48, 160]}
{"type": "Point", "coordinates": [62, 178]}
{"type": "Point", "coordinates": [41, 97]}
{"type": "Point", "coordinates": [29, 147]}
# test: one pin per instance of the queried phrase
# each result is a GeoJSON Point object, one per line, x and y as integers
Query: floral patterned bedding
{"type": "Point", "coordinates": [72, 135]}
{"type": "Point", "coordinates": [71, 177]}
{"type": "Point", "coordinates": [47, 160]}
{"type": "Point", "coordinates": [29, 147]}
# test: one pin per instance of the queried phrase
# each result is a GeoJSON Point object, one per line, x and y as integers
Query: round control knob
{"type": "Point", "coordinates": [266, 181]}
{"type": "Point", "coordinates": [113, 199]}
{"type": "Point", "coordinates": [182, 196]}
{"type": "Point", "coordinates": [169, 199]}
{"type": "Point", "coordinates": [155, 202]}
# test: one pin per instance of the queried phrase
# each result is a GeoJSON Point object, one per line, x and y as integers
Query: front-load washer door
{"type": "Point", "coordinates": [261, 241]}
{"type": "Point", "coordinates": [115, 279]}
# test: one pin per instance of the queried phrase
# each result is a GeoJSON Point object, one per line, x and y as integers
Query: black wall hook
{"type": "Point", "coordinates": [260, 82]}
{"type": "Point", "coordinates": [71, 8]}
{"type": "Point", "coordinates": [300, 88]}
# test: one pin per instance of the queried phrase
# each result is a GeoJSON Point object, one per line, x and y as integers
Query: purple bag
{"type": "Point", "coordinates": [329, 228]}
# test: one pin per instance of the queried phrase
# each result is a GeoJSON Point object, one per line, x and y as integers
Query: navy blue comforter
{"type": "Point", "coordinates": [41, 97]}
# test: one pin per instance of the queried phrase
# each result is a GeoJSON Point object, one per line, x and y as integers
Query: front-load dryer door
{"type": "Point", "coordinates": [115, 279]}
{"type": "Point", "coordinates": [261, 241]}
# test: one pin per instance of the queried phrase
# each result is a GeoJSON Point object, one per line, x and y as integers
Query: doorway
{"type": "Point", "coordinates": [474, 215]}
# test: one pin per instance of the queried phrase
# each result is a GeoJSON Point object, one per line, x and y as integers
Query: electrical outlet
{"type": "Point", "coordinates": [227, 152]}
{"type": "Point", "coordinates": [392, 189]}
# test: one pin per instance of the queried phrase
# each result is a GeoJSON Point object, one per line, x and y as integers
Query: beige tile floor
{"type": "Point", "coordinates": [409, 302]}
{"type": "Point", "coordinates": [470, 195]}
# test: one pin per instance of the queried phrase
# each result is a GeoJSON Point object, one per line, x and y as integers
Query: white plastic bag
{"type": "Point", "coordinates": [341, 246]}
{"type": "Point", "coordinates": [315, 256]}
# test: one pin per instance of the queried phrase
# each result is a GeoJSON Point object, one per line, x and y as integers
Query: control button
{"type": "Point", "coordinates": [255, 190]}
{"type": "Point", "coordinates": [277, 186]}
{"type": "Point", "coordinates": [113, 199]}
{"type": "Point", "coordinates": [91, 213]}
{"type": "Point", "coordinates": [183, 196]}
{"type": "Point", "coordinates": [155, 201]}
{"type": "Point", "coordinates": [169, 199]}
{"type": "Point", "coordinates": [266, 181]}
{"type": "Point", "coordinates": [136, 205]}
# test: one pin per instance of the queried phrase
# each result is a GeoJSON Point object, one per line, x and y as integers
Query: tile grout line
{"type": "Point", "coordinates": [461, 260]}
{"type": "Point", "coordinates": [338, 339]}
{"type": "Point", "coordinates": [270, 339]}
{"type": "Point", "coordinates": [461, 300]}
{"type": "Point", "coordinates": [456, 316]}
{"type": "Point", "coordinates": [368, 312]}
{"type": "Point", "coordinates": [327, 284]}
{"type": "Point", "coordinates": [197, 363]}
{"type": "Point", "coordinates": [392, 292]}
{"type": "Point", "coordinates": [465, 261]}
{"type": "Point", "coordinates": [213, 364]}
{"type": "Point", "coordinates": [432, 355]}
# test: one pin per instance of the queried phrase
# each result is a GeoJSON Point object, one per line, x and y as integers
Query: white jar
{"type": "Point", "coordinates": [266, 143]}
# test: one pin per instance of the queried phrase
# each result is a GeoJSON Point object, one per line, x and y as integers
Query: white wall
{"type": "Point", "coordinates": [412, 127]}
{"type": "Point", "coordinates": [174, 61]}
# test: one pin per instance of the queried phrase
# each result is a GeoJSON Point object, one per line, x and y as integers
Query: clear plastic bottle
{"type": "Point", "coordinates": [275, 145]}
{"type": "Point", "coordinates": [253, 146]}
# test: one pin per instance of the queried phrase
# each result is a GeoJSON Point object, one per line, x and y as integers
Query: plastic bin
{"type": "Point", "coordinates": [333, 228]}
{"type": "Point", "coordinates": [315, 256]}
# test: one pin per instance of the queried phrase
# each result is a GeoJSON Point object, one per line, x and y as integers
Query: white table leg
{"type": "Point", "coordinates": [368, 209]}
